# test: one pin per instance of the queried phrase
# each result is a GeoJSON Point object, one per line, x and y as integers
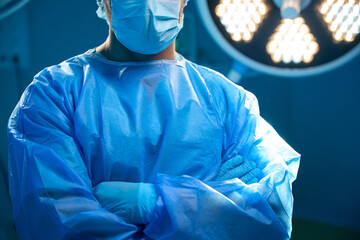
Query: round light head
{"type": "Point", "coordinates": [285, 48]}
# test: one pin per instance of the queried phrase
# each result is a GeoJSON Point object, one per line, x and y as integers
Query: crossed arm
{"type": "Point", "coordinates": [135, 202]}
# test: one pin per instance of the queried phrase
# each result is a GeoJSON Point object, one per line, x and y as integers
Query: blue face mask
{"type": "Point", "coordinates": [145, 26]}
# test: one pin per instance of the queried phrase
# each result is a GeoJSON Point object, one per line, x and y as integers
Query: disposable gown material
{"type": "Point", "coordinates": [171, 123]}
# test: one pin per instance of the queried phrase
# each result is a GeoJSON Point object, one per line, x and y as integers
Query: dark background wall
{"type": "Point", "coordinates": [319, 116]}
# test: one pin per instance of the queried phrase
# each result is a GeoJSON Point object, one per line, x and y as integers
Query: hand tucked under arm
{"type": "Point", "coordinates": [133, 202]}
{"type": "Point", "coordinates": [237, 168]}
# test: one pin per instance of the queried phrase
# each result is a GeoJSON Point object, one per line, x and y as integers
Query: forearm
{"type": "Point", "coordinates": [191, 202]}
{"type": "Point", "coordinates": [66, 211]}
{"type": "Point", "coordinates": [189, 208]}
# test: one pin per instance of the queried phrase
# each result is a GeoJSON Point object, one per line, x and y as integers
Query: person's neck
{"type": "Point", "coordinates": [113, 50]}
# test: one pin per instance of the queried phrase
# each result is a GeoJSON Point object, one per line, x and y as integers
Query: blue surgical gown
{"type": "Point", "coordinates": [170, 123]}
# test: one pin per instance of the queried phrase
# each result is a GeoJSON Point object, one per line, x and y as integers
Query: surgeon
{"type": "Point", "coordinates": [132, 141]}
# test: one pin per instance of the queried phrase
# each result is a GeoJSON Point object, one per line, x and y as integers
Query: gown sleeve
{"type": "Point", "coordinates": [191, 209]}
{"type": "Point", "coordinates": [50, 185]}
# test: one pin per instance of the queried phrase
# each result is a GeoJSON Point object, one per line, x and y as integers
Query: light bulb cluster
{"type": "Point", "coordinates": [241, 18]}
{"type": "Point", "coordinates": [342, 18]}
{"type": "Point", "coordinates": [292, 42]}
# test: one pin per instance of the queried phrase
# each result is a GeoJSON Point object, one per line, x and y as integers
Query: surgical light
{"type": "Point", "coordinates": [287, 38]}
{"type": "Point", "coordinates": [292, 42]}
{"type": "Point", "coordinates": [342, 18]}
{"type": "Point", "coordinates": [241, 18]}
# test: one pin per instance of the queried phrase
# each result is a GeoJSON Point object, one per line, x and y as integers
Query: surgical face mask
{"type": "Point", "coordinates": [145, 26]}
